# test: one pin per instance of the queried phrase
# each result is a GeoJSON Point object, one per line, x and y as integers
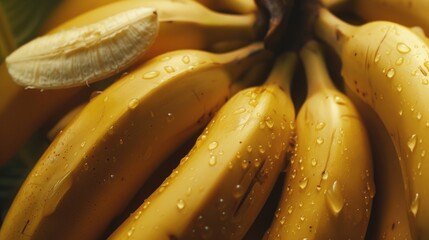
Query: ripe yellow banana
{"type": "Point", "coordinates": [92, 169]}
{"type": "Point", "coordinates": [329, 185]}
{"type": "Point", "coordinates": [68, 9]}
{"type": "Point", "coordinates": [405, 12]}
{"type": "Point", "coordinates": [23, 112]}
{"type": "Point", "coordinates": [105, 41]}
{"type": "Point", "coordinates": [387, 65]}
{"type": "Point", "coordinates": [187, 22]}
{"type": "Point", "coordinates": [232, 6]}
{"type": "Point", "coordinates": [389, 216]}
{"type": "Point", "coordinates": [220, 186]}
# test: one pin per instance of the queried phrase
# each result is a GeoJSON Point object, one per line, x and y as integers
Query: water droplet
{"type": "Point", "coordinates": [131, 231]}
{"type": "Point", "coordinates": [146, 204]}
{"type": "Point", "coordinates": [419, 116]}
{"type": "Point", "coordinates": [169, 69]}
{"type": "Point", "coordinates": [425, 81]}
{"type": "Point", "coordinates": [399, 88]}
{"type": "Point", "coordinates": [151, 75]}
{"type": "Point", "coordinates": [412, 142]}
{"type": "Point", "coordinates": [244, 163]}
{"type": "Point", "coordinates": [238, 191]}
{"type": "Point", "coordinates": [400, 112]}
{"type": "Point", "coordinates": [138, 214]}
{"type": "Point", "coordinates": [399, 61]}
{"type": "Point", "coordinates": [249, 148]}
{"type": "Point", "coordinates": [282, 220]}
{"type": "Point", "coordinates": [133, 103]}
{"type": "Point", "coordinates": [414, 208]}
{"type": "Point", "coordinates": [240, 110]}
{"type": "Point", "coordinates": [213, 146]}
{"type": "Point", "coordinates": [170, 117]}
{"type": "Point", "coordinates": [261, 149]}
{"type": "Point", "coordinates": [377, 58]}
{"type": "Point", "coordinates": [403, 48]}
{"type": "Point", "coordinates": [253, 102]}
{"type": "Point", "coordinates": [313, 162]}
{"type": "Point", "coordinates": [391, 73]}
{"type": "Point", "coordinates": [320, 125]}
{"type": "Point", "coordinates": [303, 183]}
{"type": "Point", "coordinates": [335, 199]}
{"type": "Point", "coordinates": [269, 122]}
{"type": "Point", "coordinates": [186, 59]}
{"type": "Point", "coordinates": [320, 140]}
{"type": "Point", "coordinates": [290, 209]}
{"type": "Point", "coordinates": [423, 154]}
{"type": "Point", "coordinates": [83, 144]}
{"type": "Point", "coordinates": [257, 162]}
{"type": "Point", "coordinates": [180, 204]}
{"type": "Point", "coordinates": [325, 175]}
{"type": "Point", "coordinates": [339, 100]}
{"type": "Point", "coordinates": [212, 161]}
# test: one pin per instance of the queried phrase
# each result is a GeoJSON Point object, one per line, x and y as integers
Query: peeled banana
{"type": "Point", "coordinates": [387, 65]}
{"type": "Point", "coordinates": [109, 39]}
{"type": "Point", "coordinates": [94, 166]}
{"type": "Point", "coordinates": [220, 186]}
{"type": "Point", "coordinates": [329, 186]}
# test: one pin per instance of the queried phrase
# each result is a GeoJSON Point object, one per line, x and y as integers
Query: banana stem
{"type": "Point", "coordinates": [283, 70]}
{"type": "Point", "coordinates": [315, 68]}
{"type": "Point", "coordinates": [332, 30]}
{"type": "Point", "coordinates": [243, 57]}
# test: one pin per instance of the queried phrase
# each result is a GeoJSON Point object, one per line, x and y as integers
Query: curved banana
{"type": "Point", "coordinates": [231, 6]}
{"type": "Point", "coordinates": [220, 186]}
{"type": "Point", "coordinates": [24, 111]}
{"type": "Point", "coordinates": [188, 23]}
{"type": "Point", "coordinates": [387, 65]}
{"type": "Point", "coordinates": [405, 12]}
{"type": "Point", "coordinates": [68, 9]}
{"type": "Point", "coordinates": [92, 169]}
{"type": "Point", "coordinates": [107, 40]}
{"type": "Point", "coordinates": [329, 186]}
{"type": "Point", "coordinates": [389, 215]}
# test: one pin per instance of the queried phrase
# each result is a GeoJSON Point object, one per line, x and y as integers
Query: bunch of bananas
{"type": "Point", "coordinates": [216, 119]}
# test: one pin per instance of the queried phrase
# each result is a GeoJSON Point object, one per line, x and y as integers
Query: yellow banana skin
{"type": "Point", "coordinates": [329, 186]}
{"type": "Point", "coordinates": [220, 186]}
{"type": "Point", "coordinates": [386, 64]}
{"type": "Point", "coordinates": [189, 23]}
{"type": "Point", "coordinates": [232, 6]}
{"type": "Point", "coordinates": [405, 12]}
{"type": "Point", "coordinates": [94, 166]}
{"type": "Point", "coordinates": [389, 215]}
{"type": "Point", "coordinates": [27, 110]}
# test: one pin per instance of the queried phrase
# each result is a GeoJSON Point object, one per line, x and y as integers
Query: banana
{"type": "Point", "coordinates": [231, 6]}
{"type": "Point", "coordinates": [387, 65]}
{"type": "Point", "coordinates": [221, 185]}
{"type": "Point", "coordinates": [24, 111]}
{"type": "Point", "coordinates": [92, 169]}
{"type": "Point", "coordinates": [389, 216]}
{"type": "Point", "coordinates": [111, 38]}
{"type": "Point", "coordinates": [68, 9]}
{"type": "Point", "coordinates": [329, 185]}
{"type": "Point", "coordinates": [188, 23]}
{"type": "Point", "coordinates": [405, 12]}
